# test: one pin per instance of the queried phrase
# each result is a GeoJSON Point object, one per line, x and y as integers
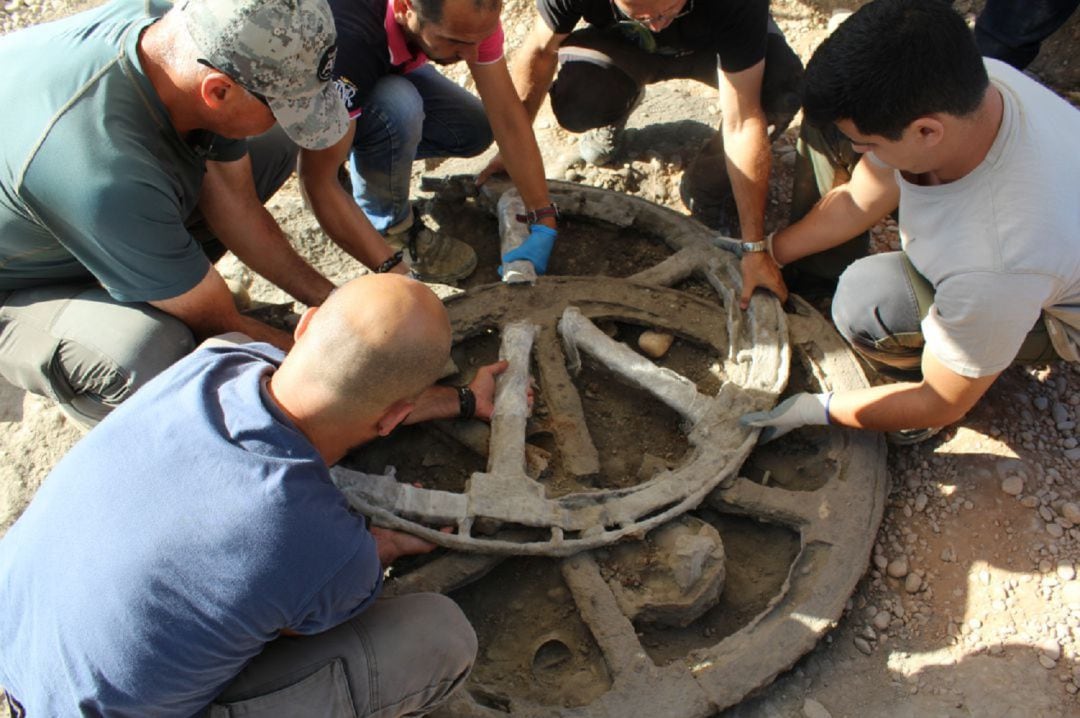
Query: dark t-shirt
{"type": "Point", "coordinates": [735, 29]}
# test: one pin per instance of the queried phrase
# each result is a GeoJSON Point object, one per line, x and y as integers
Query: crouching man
{"type": "Point", "coordinates": [191, 551]}
{"type": "Point", "coordinates": [982, 162]}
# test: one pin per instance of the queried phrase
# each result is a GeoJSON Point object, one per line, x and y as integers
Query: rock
{"type": "Point", "coordinates": [1013, 485]}
{"type": "Point", "coordinates": [1071, 512]}
{"type": "Point", "coordinates": [655, 344]}
{"type": "Point", "coordinates": [1047, 662]}
{"type": "Point", "coordinates": [1066, 572]}
{"type": "Point", "coordinates": [813, 709]}
{"type": "Point", "coordinates": [1073, 454]}
{"type": "Point", "coordinates": [1055, 530]}
{"type": "Point", "coordinates": [1029, 502]}
{"type": "Point", "coordinates": [898, 568]}
{"type": "Point", "coordinates": [920, 502]}
{"type": "Point", "coordinates": [1071, 594]}
{"type": "Point", "coordinates": [1041, 403]}
{"type": "Point", "coordinates": [863, 645]}
{"type": "Point", "coordinates": [912, 583]}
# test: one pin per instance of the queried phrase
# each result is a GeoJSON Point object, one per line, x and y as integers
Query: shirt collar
{"type": "Point", "coordinates": [395, 39]}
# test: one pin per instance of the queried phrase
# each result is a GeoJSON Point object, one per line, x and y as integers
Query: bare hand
{"type": "Point", "coordinates": [495, 166]}
{"type": "Point", "coordinates": [760, 270]}
{"type": "Point", "coordinates": [483, 388]}
{"type": "Point", "coordinates": [392, 545]}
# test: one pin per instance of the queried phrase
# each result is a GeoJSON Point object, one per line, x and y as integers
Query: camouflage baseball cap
{"type": "Point", "coordinates": [280, 50]}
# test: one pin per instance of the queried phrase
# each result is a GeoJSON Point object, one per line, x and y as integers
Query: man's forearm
{"type": "Point", "coordinates": [749, 160]}
{"type": "Point", "coordinates": [265, 249]}
{"type": "Point", "coordinates": [844, 212]}
{"type": "Point", "coordinates": [345, 223]}
{"type": "Point", "coordinates": [513, 133]}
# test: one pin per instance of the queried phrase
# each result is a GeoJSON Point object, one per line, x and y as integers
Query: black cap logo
{"type": "Point", "coordinates": [326, 64]}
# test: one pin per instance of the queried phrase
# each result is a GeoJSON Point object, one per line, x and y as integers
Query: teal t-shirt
{"type": "Point", "coordinates": [94, 181]}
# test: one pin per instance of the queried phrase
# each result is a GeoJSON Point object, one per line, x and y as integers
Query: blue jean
{"type": "Point", "coordinates": [410, 117]}
{"type": "Point", "coordinates": [1013, 30]}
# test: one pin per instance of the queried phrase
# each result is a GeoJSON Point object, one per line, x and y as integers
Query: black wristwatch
{"type": "Point", "coordinates": [466, 402]}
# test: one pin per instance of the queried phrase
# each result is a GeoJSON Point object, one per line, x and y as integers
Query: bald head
{"type": "Point", "coordinates": [378, 340]}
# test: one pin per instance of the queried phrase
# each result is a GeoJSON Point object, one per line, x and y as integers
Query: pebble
{"type": "Point", "coordinates": [1047, 662]}
{"type": "Point", "coordinates": [1073, 454]}
{"type": "Point", "coordinates": [913, 583]}
{"type": "Point", "coordinates": [1013, 485]}
{"type": "Point", "coordinates": [813, 709]}
{"type": "Point", "coordinates": [1071, 512]}
{"type": "Point", "coordinates": [1055, 530]}
{"type": "Point", "coordinates": [1071, 594]}
{"type": "Point", "coordinates": [655, 344]}
{"type": "Point", "coordinates": [863, 645]}
{"type": "Point", "coordinates": [882, 620]}
{"type": "Point", "coordinates": [1066, 572]}
{"type": "Point", "coordinates": [920, 502]}
{"type": "Point", "coordinates": [1041, 403]}
{"type": "Point", "coordinates": [898, 568]}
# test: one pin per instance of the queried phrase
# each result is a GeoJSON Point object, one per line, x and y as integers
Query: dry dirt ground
{"type": "Point", "coordinates": [971, 605]}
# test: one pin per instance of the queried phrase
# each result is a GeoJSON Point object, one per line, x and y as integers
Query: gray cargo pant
{"type": "Point", "coordinates": [87, 351]}
{"type": "Point", "coordinates": [879, 306]}
{"type": "Point", "coordinates": [401, 657]}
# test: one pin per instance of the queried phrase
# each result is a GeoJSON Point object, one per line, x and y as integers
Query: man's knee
{"type": "Point", "coordinates": [84, 350]}
{"type": "Point", "coordinates": [394, 114]}
{"type": "Point", "coordinates": [876, 311]}
{"type": "Point", "coordinates": [586, 95]}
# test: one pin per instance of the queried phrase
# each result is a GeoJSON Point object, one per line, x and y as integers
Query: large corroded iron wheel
{"type": "Point", "coordinates": [824, 486]}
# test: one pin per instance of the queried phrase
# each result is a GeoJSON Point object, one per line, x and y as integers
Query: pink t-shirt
{"type": "Point", "coordinates": [490, 49]}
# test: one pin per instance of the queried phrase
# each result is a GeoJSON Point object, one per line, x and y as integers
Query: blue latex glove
{"type": "Point", "coordinates": [536, 248]}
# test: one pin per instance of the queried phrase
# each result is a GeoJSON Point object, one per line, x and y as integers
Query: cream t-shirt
{"type": "Point", "coordinates": [1002, 245]}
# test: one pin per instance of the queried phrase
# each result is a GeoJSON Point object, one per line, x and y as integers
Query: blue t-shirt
{"type": "Point", "coordinates": [174, 541]}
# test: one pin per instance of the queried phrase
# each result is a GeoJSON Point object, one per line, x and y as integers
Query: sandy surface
{"type": "Point", "coordinates": [971, 606]}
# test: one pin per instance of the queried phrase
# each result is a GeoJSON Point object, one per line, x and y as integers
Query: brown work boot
{"type": "Point", "coordinates": [432, 256]}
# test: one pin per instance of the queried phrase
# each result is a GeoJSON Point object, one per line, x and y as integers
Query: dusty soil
{"type": "Point", "coordinates": [971, 605]}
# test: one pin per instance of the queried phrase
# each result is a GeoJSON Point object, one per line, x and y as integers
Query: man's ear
{"type": "Point", "coordinates": [930, 130]}
{"type": "Point", "coordinates": [401, 7]}
{"type": "Point", "coordinates": [215, 89]}
{"type": "Point", "coordinates": [393, 416]}
{"type": "Point", "coordinates": [305, 319]}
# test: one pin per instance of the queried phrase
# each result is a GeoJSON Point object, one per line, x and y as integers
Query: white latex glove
{"type": "Point", "coordinates": [791, 413]}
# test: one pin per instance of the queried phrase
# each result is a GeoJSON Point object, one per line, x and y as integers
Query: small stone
{"type": "Point", "coordinates": [1012, 485]}
{"type": "Point", "coordinates": [863, 645]}
{"type": "Point", "coordinates": [1052, 651]}
{"type": "Point", "coordinates": [882, 620]}
{"type": "Point", "coordinates": [1071, 512]}
{"type": "Point", "coordinates": [912, 583]}
{"type": "Point", "coordinates": [898, 568]}
{"type": "Point", "coordinates": [1047, 662]}
{"type": "Point", "coordinates": [1041, 403]}
{"type": "Point", "coordinates": [813, 709]}
{"type": "Point", "coordinates": [1029, 502]}
{"type": "Point", "coordinates": [655, 344]}
{"type": "Point", "coordinates": [920, 502]}
{"type": "Point", "coordinates": [1071, 594]}
{"type": "Point", "coordinates": [1055, 530]}
{"type": "Point", "coordinates": [1066, 571]}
